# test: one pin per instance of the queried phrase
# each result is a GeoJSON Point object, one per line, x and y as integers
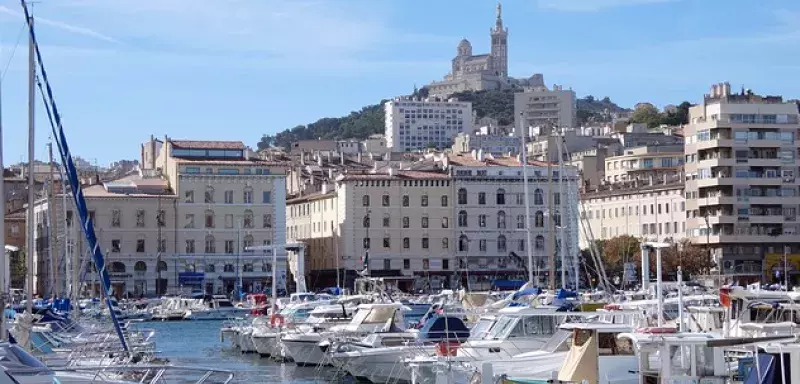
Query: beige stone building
{"type": "Point", "coordinates": [545, 108]}
{"type": "Point", "coordinates": [645, 163]}
{"type": "Point", "coordinates": [455, 218]}
{"type": "Point", "coordinates": [651, 212]}
{"type": "Point", "coordinates": [742, 187]}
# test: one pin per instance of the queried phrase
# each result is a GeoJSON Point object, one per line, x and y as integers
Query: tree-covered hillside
{"type": "Point", "coordinates": [369, 120]}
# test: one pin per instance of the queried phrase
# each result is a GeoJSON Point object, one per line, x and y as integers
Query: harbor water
{"type": "Point", "coordinates": [197, 343]}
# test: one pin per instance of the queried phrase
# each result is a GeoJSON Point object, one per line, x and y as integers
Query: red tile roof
{"type": "Point", "coordinates": [197, 144]}
{"type": "Point", "coordinates": [470, 161]}
{"type": "Point", "coordinates": [399, 175]}
{"type": "Point", "coordinates": [235, 162]}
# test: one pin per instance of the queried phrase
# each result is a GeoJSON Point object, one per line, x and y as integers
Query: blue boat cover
{"type": "Point", "coordinates": [440, 327]}
{"type": "Point", "coordinates": [766, 367]}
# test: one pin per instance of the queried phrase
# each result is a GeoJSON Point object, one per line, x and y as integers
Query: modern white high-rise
{"type": "Point", "coordinates": [545, 108]}
{"type": "Point", "coordinates": [413, 124]}
{"type": "Point", "coordinates": [741, 181]}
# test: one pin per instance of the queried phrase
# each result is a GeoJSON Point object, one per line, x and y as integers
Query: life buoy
{"type": "Point", "coordinates": [725, 297]}
{"type": "Point", "coordinates": [276, 320]}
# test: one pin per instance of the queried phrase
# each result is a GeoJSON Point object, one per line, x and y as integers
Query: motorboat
{"type": "Point", "coordinates": [216, 307]}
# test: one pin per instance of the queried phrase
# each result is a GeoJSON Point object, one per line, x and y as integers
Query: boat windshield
{"type": "Point", "coordinates": [504, 328]}
{"type": "Point", "coordinates": [559, 342]}
{"type": "Point", "coordinates": [481, 328]}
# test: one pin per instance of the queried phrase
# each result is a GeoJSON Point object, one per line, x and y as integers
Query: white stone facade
{"type": "Point", "coordinates": [417, 124]}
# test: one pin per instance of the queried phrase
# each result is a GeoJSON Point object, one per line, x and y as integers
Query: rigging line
{"type": "Point", "coordinates": [13, 51]}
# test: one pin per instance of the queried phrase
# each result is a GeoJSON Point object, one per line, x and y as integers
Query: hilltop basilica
{"type": "Point", "coordinates": [485, 71]}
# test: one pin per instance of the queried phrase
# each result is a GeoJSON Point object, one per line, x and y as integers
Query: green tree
{"type": "Point", "coordinates": [265, 142]}
{"type": "Point", "coordinates": [646, 114]}
{"type": "Point", "coordinates": [692, 259]}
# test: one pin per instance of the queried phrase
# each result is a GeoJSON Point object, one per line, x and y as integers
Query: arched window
{"type": "Point", "coordinates": [405, 200]}
{"type": "Point", "coordinates": [385, 200]}
{"type": "Point", "coordinates": [210, 268]}
{"type": "Point", "coordinates": [462, 218]}
{"type": "Point", "coordinates": [501, 243]}
{"type": "Point", "coordinates": [539, 219]}
{"type": "Point", "coordinates": [248, 242]}
{"type": "Point", "coordinates": [162, 265]}
{"type": "Point", "coordinates": [211, 245]}
{"type": "Point", "coordinates": [538, 198]}
{"type": "Point", "coordinates": [117, 267]}
{"type": "Point", "coordinates": [462, 196]}
{"type": "Point", "coordinates": [540, 242]}
{"type": "Point", "coordinates": [557, 219]}
{"type": "Point", "coordinates": [365, 222]}
{"type": "Point", "coordinates": [463, 243]}
{"type": "Point", "coordinates": [365, 200]}
{"type": "Point", "coordinates": [209, 196]}
{"type": "Point", "coordinates": [140, 266]}
{"type": "Point", "coordinates": [501, 196]}
{"type": "Point", "coordinates": [501, 219]}
{"type": "Point", "coordinates": [520, 221]}
{"type": "Point", "coordinates": [444, 200]}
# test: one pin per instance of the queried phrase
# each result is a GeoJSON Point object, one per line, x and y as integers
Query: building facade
{"type": "Point", "coordinates": [544, 108]}
{"type": "Point", "coordinates": [495, 144]}
{"type": "Point", "coordinates": [742, 187]}
{"type": "Point", "coordinates": [418, 124]}
{"type": "Point", "coordinates": [457, 222]}
{"type": "Point", "coordinates": [645, 163]}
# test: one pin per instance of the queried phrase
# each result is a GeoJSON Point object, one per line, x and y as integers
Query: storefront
{"type": "Point", "coordinates": [193, 280]}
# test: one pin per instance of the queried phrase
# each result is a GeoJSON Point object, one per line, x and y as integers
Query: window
{"type": "Point", "coordinates": [228, 197]}
{"type": "Point", "coordinates": [115, 245]}
{"type": "Point", "coordinates": [424, 221]}
{"type": "Point", "coordinates": [188, 197]}
{"type": "Point", "coordinates": [229, 221]}
{"type": "Point", "coordinates": [462, 196]}
{"type": "Point", "coordinates": [365, 200]}
{"type": "Point", "coordinates": [247, 221]}
{"type": "Point", "coordinates": [385, 200]}
{"type": "Point", "coordinates": [266, 197]}
{"type": "Point", "coordinates": [387, 242]}
{"type": "Point", "coordinates": [162, 245]}
{"type": "Point", "coordinates": [210, 268]}
{"type": "Point", "coordinates": [366, 243]}
{"type": "Point", "coordinates": [115, 217]}
{"type": "Point", "coordinates": [140, 218]}
{"type": "Point", "coordinates": [190, 246]}
{"type": "Point", "coordinates": [425, 243]}
{"type": "Point", "coordinates": [424, 200]}
{"type": "Point", "coordinates": [520, 221]}
{"type": "Point", "coordinates": [247, 195]}
{"type": "Point", "coordinates": [69, 218]}
{"type": "Point", "coordinates": [557, 219]}
{"type": "Point", "coordinates": [539, 245]}
{"type": "Point", "coordinates": [520, 199]}
{"type": "Point", "coordinates": [161, 218]}
{"type": "Point", "coordinates": [463, 243]}
{"type": "Point", "coordinates": [445, 264]}
{"type": "Point", "coordinates": [482, 245]}
{"type": "Point", "coordinates": [539, 219]}
{"type": "Point", "coordinates": [406, 263]}
{"type": "Point", "coordinates": [365, 222]}
{"type": "Point", "coordinates": [445, 222]}
{"type": "Point", "coordinates": [387, 264]}
{"type": "Point", "coordinates": [501, 243]}
{"type": "Point", "coordinates": [538, 197]}
{"type": "Point", "coordinates": [247, 267]}
{"type": "Point", "coordinates": [482, 221]}
{"type": "Point", "coordinates": [445, 243]}
{"type": "Point", "coordinates": [426, 264]}
{"type": "Point", "coordinates": [406, 222]}
{"type": "Point", "coordinates": [444, 200]}
{"type": "Point", "coordinates": [140, 245]}
{"type": "Point", "coordinates": [209, 196]}
{"type": "Point", "coordinates": [405, 200]}
{"type": "Point", "coordinates": [267, 221]}
{"type": "Point", "coordinates": [501, 220]}
{"type": "Point", "coordinates": [229, 247]}
{"type": "Point", "coordinates": [482, 198]}
{"type": "Point", "coordinates": [557, 198]}
{"type": "Point", "coordinates": [209, 219]}
{"type": "Point", "coordinates": [462, 219]}
{"type": "Point", "coordinates": [406, 243]}
{"type": "Point", "coordinates": [228, 268]}
{"type": "Point", "coordinates": [521, 245]}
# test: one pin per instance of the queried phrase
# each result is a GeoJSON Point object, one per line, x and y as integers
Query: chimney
{"type": "Point", "coordinates": [303, 158]}
{"type": "Point", "coordinates": [247, 154]}
{"type": "Point", "coordinates": [392, 171]}
{"type": "Point", "coordinates": [714, 92]}
{"type": "Point", "coordinates": [726, 88]}
{"type": "Point", "coordinates": [341, 158]}
{"type": "Point", "coordinates": [359, 157]}
{"type": "Point", "coordinates": [319, 159]}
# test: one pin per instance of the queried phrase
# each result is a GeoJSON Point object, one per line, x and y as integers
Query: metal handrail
{"type": "Point", "coordinates": [161, 369]}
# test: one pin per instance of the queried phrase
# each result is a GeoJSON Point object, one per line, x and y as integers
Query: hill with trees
{"type": "Point", "coordinates": [496, 104]}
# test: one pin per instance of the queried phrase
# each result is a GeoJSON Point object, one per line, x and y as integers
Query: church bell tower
{"type": "Point", "coordinates": [499, 52]}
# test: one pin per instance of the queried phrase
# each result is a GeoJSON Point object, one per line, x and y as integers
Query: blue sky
{"type": "Point", "coordinates": [235, 69]}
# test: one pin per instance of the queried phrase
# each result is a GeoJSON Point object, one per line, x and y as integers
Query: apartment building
{"type": "Point", "coordinates": [414, 124]}
{"type": "Point", "coordinates": [545, 108]}
{"type": "Point", "coordinates": [645, 163]}
{"type": "Point", "coordinates": [652, 210]}
{"type": "Point", "coordinates": [742, 187]}
{"type": "Point", "coordinates": [494, 144]}
{"type": "Point", "coordinates": [455, 219]}
{"type": "Point", "coordinates": [228, 200]}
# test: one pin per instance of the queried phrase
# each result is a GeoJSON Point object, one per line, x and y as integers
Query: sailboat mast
{"type": "Point", "coordinates": [53, 232]}
{"type": "Point", "coordinates": [31, 153]}
{"type": "Point", "coordinates": [529, 245]}
{"type": "Point", "coordinates": [6, 264]}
